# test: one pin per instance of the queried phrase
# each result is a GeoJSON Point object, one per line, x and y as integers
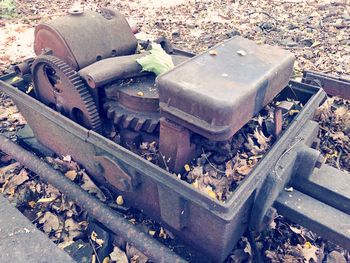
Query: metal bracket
{"type": "Point", "coordinates": [320, 196]}
{"type": "Point", "coordinates": [113, 173]}
{"type": "Point", "coordinates": [334, 86]}
{"type": "Point", "coordinates": [175, 145]}
{"type": "Point", "coordinates": [279, 177]}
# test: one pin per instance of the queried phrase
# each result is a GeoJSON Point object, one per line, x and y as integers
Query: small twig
{"type": "Point", "coordinates": [165, 164]}
{"type": "Point", "coordinates": [93, 248]}
{"type": "Point", "coordinates": [145, 154]}
{"type": "Point", "coordinates": [212, 165]}
{"type": "Point", "coordinates": [338, 159]}
{"type": "Point", "coordinates": [286, 152]}
{"type": "Point", "coordinates": [297, 47]}
{"type": "Point", "coordinates": [292, 90]}
{"type": "Point", "coordinates": [264, 13]}
{"type": "Point", "coordinates": [36, 218]}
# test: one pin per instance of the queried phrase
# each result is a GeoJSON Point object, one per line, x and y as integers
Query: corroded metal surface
{"type": "Point", "coordinates": [60, 87]}
{"type": "Point", "coordinates": [187, 212]}
{"type": "Point", "coordinates": [335, 86]}
{"type": "Point", "coordinates": [215, 93]}
{"type": "Point", "coordinates": [175, 145]}
{"type": "Point", "coordinates": [98, 210]}
{"type": "Point", "coordinates": [82, 39]}
{"type": "Point", "coordinates": [133, 103]}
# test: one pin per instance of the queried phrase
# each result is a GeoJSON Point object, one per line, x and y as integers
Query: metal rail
{"type": "Point", "coordinates": [320, 200]}
{"type": "Point", "coordinates": [335, 86]}
{"type": "Point", "coordinates": [156, 251]}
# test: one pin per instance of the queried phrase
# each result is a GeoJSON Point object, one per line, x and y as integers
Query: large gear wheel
{"type": "Point", "coordinates": [57, 85]}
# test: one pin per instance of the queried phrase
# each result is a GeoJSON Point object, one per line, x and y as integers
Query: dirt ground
{"type": "Point", "coordinates": [317, 32]}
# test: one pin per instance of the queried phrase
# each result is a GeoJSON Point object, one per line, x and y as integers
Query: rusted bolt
{"type": "Point", "coordinates": [75, 11]}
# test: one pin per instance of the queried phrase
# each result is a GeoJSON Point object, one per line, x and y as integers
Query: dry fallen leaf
{"type": "Point", "coordinates": [135, 255]}
{"type": "Point", "coordinates": [50, 222]}
{"type": "Point", "coordinates": [95, 239]}
{"type": "Point", "coordinates": [91, 187]}
{"type": "Point", "coordinates": [18, 179]}
{"type": "Point", "coordinates": [52, 191]}
{"type": "Point", "coordinates": [295, 230]}
{"type": "Point", "coordinates": [67, 158]}
{"type": "Point", "coordinates": [32, 204]}
{"type": "Point", "coordinates": [73, 228]}
{"type": "Point", "coordinates": [120, 200]}
{"type": "Point", "coordinates": [65, 244]}
{"type": "Point", "coordinates": [8, 168]}
{"type": "Point", "coordinates": [248, 248]}
{"type": "Point", "coordinates": [71, 175]}
{"type": "Point", "coordinates": [46, 200]}
{"type": "Point", "coordinates": [261, 138]}
{"type": "Point", "coordinates": [308, 251]}
{"type": "Point", "coordinates": [118, 255]}
{"type": "Point", "coordinates": [210, 192]}
{"type": "Point", "coordinates": [162, 233]}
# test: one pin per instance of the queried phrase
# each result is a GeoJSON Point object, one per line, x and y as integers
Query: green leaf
{"type": "Point", "coordinates": [158, 61]}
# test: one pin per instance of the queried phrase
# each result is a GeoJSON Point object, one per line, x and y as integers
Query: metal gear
{"type": "Point", "coordinates": [133, 104]}
{"type": "Point", "coordinates": [59, 86]}
{"type": "Point", "coordinates": [137, 121]}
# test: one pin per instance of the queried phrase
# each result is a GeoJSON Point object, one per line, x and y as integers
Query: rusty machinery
{"type": "Point", "coordinates": [92, 77]}
{"type": "Point", "coordinates": [86, 69]}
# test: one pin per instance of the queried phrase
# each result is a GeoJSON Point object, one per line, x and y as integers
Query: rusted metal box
{"type": "Point", "coordinates": [210, 226]}
{"type": "Point", "coordinates": [214, 94]}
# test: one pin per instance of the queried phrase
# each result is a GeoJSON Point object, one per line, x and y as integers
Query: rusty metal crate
{"type": "Point", "coordinates": [210, 226]}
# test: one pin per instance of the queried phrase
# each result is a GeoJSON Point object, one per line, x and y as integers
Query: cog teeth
{"type": "Point", "coordinates": [117, 118]}
{"type": "Point", "coordinates": [128, 119]}
{"type": "Point", "coordinates": [150, 125]}
{"type": "Point", "coordinates": [72, 78]}
{"type": "Point", "coordinates": [139, 124]}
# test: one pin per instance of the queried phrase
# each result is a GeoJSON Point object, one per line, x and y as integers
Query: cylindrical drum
{"type": "Point", "coordinates": [83, 38]}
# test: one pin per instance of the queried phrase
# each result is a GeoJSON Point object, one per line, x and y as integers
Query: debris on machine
{"type": "Point", "coordinates": [222, 166]}
{"type": "Point", "coordinates": [157, 62]}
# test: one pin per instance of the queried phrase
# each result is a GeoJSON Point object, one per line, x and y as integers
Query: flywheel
{"type": "Point", "coordinates": [60, 87]}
